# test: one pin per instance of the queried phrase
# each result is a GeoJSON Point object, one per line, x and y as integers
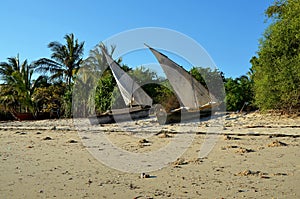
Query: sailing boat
{"type": "Point", "coordinates": [195, 100]}
{"type": "Point", "coordinates": [137, 102]}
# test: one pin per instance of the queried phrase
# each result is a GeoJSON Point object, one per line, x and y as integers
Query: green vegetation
{"type": "Point", "coordinates": [150, 82]}
{"type": "Point", "coordinates": [212, 80]}
{"type": "Point", "coordinates": [272, 82]}
{"type": "Point", "coordinates": [20, 93]}
{"type": "Point", "coordinates": [102, 77]}
{"type": "Point", "coordinates": [65, 60]}
{"type": "Point", "coordinates": [165, 96]}
{"type": "Point", "coordinates": [239, 93]}
{"type": "Point", "coordinates": [18, 88]}
{"type": "Point", "coordinates": [48, 97]}
{"type": "Point", "coordinates": [63, 66]}
{"type": "Point", "coordinates": [277, 65]}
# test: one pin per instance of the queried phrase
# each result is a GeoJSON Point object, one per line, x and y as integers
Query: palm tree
{"type": "Point", "coordinates": [63, 66]}
{"type": "Point", "coordinates": [65, 59]}
{"type": "Point", "coordinates": [95, 71]}
{"type": "Point", "coordinates": [18, 86]}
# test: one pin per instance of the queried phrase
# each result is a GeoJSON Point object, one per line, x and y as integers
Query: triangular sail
{"type": "Point", "coordinates": [131, 92]}
{"type": "Point", "coordinates": [189, 91]}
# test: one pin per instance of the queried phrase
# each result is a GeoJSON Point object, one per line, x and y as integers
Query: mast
{"type": "Point", "coordinates": [195, 96]}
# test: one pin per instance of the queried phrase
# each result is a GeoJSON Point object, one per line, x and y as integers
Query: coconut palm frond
{"type": "Point", "coordinates": [65, 59]}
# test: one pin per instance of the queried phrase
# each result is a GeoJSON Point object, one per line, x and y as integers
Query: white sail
{"type": "Point", "coordinates": [190, 92]}
{"type": "Point", "coordinates": [131, 92]}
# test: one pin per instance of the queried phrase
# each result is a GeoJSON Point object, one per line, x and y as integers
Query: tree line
{"type": "Point", "coordinates": [273, 81]}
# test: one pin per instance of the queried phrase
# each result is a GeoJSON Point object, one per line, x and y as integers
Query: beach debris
{"type": "Point", "coordinates": [260, 148]}
{"type": "Point", "coordinates": [162, 131]}
{"type": "Point", "coordinates": [38, 133]}
{"type": "Point", "coordinates": [20, 133]}
{"type": "Point", "coordinates": [228, 125]}
{"type": "Point", "coordinates": [164, 134]}
{"type": "Point", "coordinates": [277, 143]}
{"type": "Point", "coordinates": [144, 142]}
{"type": "Point", "coordinates": [244, 150]}
{"type": "Point", "coordinates": [65, 172]}
{"type": "Point", "coordinates": [144, 175]}
{"type": "Point", "coordinates": [30, 146]}
{"type": "Point", "coordinates": [232, 146]}
{"type": "Point", "coordinates": [227, 137]}
{"type": "Point", "coordinates": [132, 186]}
{"type": "Point", "coordinates": [89, 182]}
{"type": "Point", "coordinates": [179, 161]}
{"type": "Point", "coordinates": [72, 141]}
{"type": "Point", "coordinates": [280, 174]}
{"type": "Point", "coordinates": [53, 128]}
{"type": "Point", "coordinates": [196, 161]}
{"type": "Point", "coordinates": [248, 172]}
{"type": "Point", "coordinates": [264, 176]}
{"type": "Point", "coordinates": [47, 138]}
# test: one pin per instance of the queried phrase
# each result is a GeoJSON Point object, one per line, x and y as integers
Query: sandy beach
{"type": "Point", "coordinates": [254, 156]}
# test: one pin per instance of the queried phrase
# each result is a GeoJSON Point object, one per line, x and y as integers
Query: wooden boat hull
{"type": "Point", "coordinates": [121, 115]}
{"type": "Point", "coordinates": [30, 116]}
{"type": "Point", "coordinates": [181, 116]}
{"type": "Point", "coordinates": [23, 116]}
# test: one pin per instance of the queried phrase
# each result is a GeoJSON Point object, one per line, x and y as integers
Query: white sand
{"type": "Point", "coordinates": [255, 156]}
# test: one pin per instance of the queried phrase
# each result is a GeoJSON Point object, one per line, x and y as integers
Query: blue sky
{"type": "Point", "coordinates": [228, 30]}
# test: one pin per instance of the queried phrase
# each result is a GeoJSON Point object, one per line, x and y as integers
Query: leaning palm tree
{"type": "Point", "coordinates": [92, 73]}
{"type": "Point", "coordinates": [18, 87]}
{"type": "Point", "coordinates": [65, 59]}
